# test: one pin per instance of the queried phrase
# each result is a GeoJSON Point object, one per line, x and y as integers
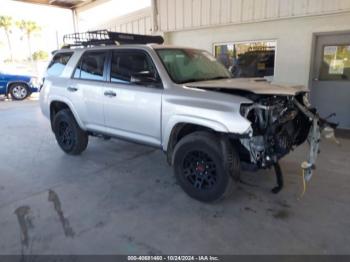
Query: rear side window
{"type": "Point", "coordinates": [91, 66]}
{"type": "Point", "coordinates": [58, 63]}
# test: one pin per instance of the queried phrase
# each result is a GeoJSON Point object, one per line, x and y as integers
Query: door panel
{"type": "Point", "coordinates": [330, 91]}
{"type": "Point", "coordinates": [88, 100]}
{"type": "Point", "coordinates": [87, 86]}
{"type": "Point", "coordinates": [133, 110]}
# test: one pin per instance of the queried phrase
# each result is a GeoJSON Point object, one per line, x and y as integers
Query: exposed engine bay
{"type": "Point", "coordinates": [281, 119]}
{"type": "Point", "coordinates": [278, 125]}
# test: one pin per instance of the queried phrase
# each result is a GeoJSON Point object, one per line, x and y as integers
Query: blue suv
{"type": "Point", "coordinates": [18, 87]}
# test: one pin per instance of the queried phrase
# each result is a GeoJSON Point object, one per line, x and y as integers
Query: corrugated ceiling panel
{"type": "Point", "coordinates": [163, 14]}
{"type": "Point", "coordinates": [179, 11]}
{"type": "Point", "coordinates": [205, 12]}
{"type": "Point", "coordinates": [148, 22]}
{"type": "Point", "coordinates": [236, 11]}
{"type": "Point", "coordinates": [286, 8]}
{"type": "Point", "coordinates": [226, 11]}
{"type": "Point", "coordinates": [344, 4]}
{"type": "Point", "coordinates": [260, 9]}
{"type": "Point", "coordinates": [315, 6]}
{"type": "Point", "coordinates": [300, 7]}
{"type": "Point", "coordinates": [196, 13]}
{"type": "Point", "coordinates": [272, 9]}
{"type": "Point", "coordinates": [187, 13]}
{"type": "Point", "coordinates": [248, 10]}
{"type": "Point", "coordinates": [172, 15]}
{"type": "Point", "coordinates": [215, 12]}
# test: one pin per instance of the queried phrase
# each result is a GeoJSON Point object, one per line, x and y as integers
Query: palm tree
{"type": "Point", "coordinates": [28, 28]}
{"type": "Point", "coordinates": [6, 24]}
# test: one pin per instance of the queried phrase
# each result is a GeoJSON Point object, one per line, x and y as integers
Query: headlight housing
{"type": "Point", "coordinates": [306, 100]}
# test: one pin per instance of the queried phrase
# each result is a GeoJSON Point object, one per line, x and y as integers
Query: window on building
{"type": "Point", "coordinates": [127, 64]}
{"type": "Point", "coordinates": [91, 66]}
{"type": "Point", "coordinates": [58, 63]}
{"type": "Point", "coordinates": [336, 63]}
{"type": "Point", "coordinates": [249, 59]}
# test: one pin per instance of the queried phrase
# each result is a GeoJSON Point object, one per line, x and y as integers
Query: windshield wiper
{"type": "Point", "coordinates": [218, 78]}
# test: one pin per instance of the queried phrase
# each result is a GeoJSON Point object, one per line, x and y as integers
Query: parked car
{"type": "Point", "coordinates": [182, 101]}
{"type": "Point", "coordinates": [19, 87]}
{"type": "Point", "coordinates": [254, 64]}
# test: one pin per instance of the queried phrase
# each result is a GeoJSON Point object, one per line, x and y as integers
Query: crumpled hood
{"type": "Point", "coordinates": [254, 85]}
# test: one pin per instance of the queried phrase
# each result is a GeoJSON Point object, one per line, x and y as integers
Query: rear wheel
{"type": "Point", "coordinates": [19, 91]}
{"type": "Point", "coordinates": [201, 167]}
{"type": "Point", "coordinates": [70, 137]}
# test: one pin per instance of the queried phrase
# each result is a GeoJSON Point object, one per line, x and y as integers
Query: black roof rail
{"type": "Point", "coordinates": [105, 37]}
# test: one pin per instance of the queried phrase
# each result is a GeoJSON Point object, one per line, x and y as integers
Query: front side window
{"type": "Point", "coordinates": [190, 65]}
{"type": "Point", "coordinates": [58, 63]}
{"type": "Point", "coordinates": [126, 66]}
{"type": "Point", "coordinates": [336, 63]}
{"type": "Point", "coordinates": [91, 66]}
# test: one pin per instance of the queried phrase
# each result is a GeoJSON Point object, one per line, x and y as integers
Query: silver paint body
{"type": "Point", "coordinates": [148, 115]}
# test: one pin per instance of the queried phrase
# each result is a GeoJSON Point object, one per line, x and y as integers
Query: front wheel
{"type": "Point", "coordinates": [19, 91]}
{"type": "Point", "coordinates": [70, 137]}
{"type": "Point", "coordinates": [201, 167]}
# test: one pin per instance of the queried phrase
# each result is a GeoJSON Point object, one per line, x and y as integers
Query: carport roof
{"type": "Point", "coordinates": [71, 4]}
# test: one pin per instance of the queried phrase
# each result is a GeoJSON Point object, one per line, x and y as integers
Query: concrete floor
{"type": "Point", "coordinates": [121, 198]}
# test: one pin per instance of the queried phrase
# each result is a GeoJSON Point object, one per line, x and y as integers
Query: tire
{"type": "Point", "coordinates": [19, 91]}
{"type": "Point", "coordinates": [70, 137]}
{"type": "Point", "coordinates": [203, 168]}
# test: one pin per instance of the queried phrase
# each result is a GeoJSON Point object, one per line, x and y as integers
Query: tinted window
{"type": "Point", "coordinates": [58, 63]}
{"type": "Point", "coordinates": [127, 64]}
{"type": "Point", "coordinates": [91, 66]}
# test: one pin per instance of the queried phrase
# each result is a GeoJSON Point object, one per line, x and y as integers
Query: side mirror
{"type": "Point", "coordinates": [144, 77]}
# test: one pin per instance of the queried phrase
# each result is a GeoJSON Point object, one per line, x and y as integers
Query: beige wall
{"type": "Point", "coordinates": [188, 14]}
{"type": "Point", "coordinates": [294, 40]}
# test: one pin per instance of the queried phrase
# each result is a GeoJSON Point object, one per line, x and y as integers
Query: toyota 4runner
{"type": "Point", "coordinates": [180, 100]}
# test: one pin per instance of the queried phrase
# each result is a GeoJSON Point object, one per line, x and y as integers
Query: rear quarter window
{"type": "Point", "coordinates": [58, 63]}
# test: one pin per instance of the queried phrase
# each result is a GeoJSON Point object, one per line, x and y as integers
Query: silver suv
{"type": "Point", "coordinates": [184, 102]}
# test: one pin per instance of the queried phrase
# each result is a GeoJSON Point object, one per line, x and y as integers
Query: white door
{"type": "Point", "coordinates": [87, 86]}
{"type": "Point", "coordinates": [133, 97]}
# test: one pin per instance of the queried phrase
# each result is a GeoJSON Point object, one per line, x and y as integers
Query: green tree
{"type": "Point", "coordinates": [40, 55]}
{"type": "Point", "coordinates": [28, 28]}
{"type": "Point", "coordinates": [6, 24]}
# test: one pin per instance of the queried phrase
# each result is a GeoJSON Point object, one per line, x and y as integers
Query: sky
{"type": "Point", "coordinates": [55, 22]}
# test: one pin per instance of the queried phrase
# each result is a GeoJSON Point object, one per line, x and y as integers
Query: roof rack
{"type": "Point", "coordinates": [105, 37]}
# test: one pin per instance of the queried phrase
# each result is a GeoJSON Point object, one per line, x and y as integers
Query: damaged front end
{"type": "Point", "coordinates": [278, 125]}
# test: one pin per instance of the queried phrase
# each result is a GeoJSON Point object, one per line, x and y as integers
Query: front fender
{"type": "Point", "coordinates": [187, 119]}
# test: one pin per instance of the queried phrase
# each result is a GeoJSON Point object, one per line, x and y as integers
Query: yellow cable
{"type": "Point", "coordinates": [304, 184]}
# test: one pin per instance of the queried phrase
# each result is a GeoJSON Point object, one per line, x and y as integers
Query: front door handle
{"type": "Point", "coordinates": [72, 89]}
{"type": "Point", "coordinates": [110, 94]}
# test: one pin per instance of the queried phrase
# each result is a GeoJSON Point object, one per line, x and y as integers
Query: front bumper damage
{"type": "Point", "coordinates": [278, 126]}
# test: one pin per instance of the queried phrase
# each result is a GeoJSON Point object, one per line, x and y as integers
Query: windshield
{"type": "Point", "coordinates": [190, 65]}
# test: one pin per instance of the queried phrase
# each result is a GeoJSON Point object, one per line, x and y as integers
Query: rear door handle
{"type": "Point", "coordinates": [110, 94]}
{"type": "Point", "coordinates": [72, 89]}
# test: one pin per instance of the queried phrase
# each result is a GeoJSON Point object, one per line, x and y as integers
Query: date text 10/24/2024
{"type": "Point", "coordinates": [173, 258]}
